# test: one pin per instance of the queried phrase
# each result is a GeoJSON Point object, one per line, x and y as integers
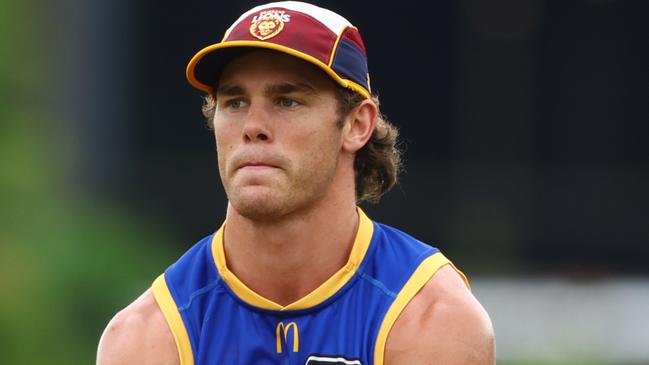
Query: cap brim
{"type": "Point", "coordinates": [205, 68]}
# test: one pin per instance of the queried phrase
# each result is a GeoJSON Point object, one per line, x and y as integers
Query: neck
{"type": "Point", "coordinates": [284, 260]}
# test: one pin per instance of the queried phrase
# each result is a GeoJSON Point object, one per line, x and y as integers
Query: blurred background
{"type": "Point", "coordinates": [525, 124]}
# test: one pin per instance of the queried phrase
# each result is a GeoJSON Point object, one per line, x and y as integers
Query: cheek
{"type": "Point", "coordinates": [225, 135]}
{"type": "Point", "coordinates": [319, 134]}
{"type": "Point", "coordinates": [224, 140]}
{"type": "Point", "coordinates": [318, 148]}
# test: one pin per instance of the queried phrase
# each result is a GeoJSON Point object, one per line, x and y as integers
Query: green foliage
{"type": "Point", "coordinates": [68, 261]}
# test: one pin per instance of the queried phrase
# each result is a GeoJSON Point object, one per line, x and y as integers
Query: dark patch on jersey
{"type": "Point", "coordinates": [315, 359]}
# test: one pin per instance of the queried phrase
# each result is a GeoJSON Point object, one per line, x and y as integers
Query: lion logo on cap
{"type": "Point", "coordinates": [268, 23]}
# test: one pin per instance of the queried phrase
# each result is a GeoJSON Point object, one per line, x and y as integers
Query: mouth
{"type": "Point", "coordinates": [256, 162]}
{"type": "Point", "coordinates": [256, 165]}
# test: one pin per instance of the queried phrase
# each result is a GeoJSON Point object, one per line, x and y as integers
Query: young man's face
{"type": "Point", "coordinates": [277, 139]}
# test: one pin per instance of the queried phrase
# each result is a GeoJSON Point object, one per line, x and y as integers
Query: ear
{"type": "Point", "coordinates": [359, 126]}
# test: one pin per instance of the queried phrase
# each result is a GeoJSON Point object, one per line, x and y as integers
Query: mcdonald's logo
{"type": "Point", "coordinates": [282, 330]}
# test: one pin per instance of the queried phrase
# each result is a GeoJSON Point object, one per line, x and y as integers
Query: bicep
{"type": "Point", "coordinates": [443, 325]}
{"type": "Point", "coordinates": [139, 335]}
{"type": "Point", "coordinates": [467, 341]}
{"type": "Point", "coordinates": [118, 343]}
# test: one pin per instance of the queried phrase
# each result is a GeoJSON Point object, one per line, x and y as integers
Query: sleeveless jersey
{"type": "Point", "coordinates": [215, 319]}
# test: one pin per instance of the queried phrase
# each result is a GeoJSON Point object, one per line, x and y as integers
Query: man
{"type": "Point", "coordinates": [298, 274]}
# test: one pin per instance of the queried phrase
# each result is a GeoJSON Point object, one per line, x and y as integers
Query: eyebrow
{"type": "Point", "coordinates": [229, 90]}
{"type": "Point", "coordinates": [273, 89]}
{"type": "Point", "coordinates": [287, 88]}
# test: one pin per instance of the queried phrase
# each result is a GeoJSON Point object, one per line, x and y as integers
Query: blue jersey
{"type": "Point", "coordinates": [215, 319]}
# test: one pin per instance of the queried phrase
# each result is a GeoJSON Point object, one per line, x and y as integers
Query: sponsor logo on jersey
{"type": "Point", "coordinates": [281, 336]}
{"type": "Point", "coordinates": [330, 360]}
{"type": "Point", "coordinates": [269, 23]}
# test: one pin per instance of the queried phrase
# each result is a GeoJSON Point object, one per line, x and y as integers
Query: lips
{"type": "Point", "coordinates": [258, 161]}
{"type": "Point", "coordinates": [256, 165]}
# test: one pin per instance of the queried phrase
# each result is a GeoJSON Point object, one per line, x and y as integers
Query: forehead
{"type": "Point", "coordinates": [266, 66]}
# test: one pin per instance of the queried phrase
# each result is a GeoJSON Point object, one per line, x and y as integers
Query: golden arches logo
{"type": "Point", "coordinates": [282, 330]}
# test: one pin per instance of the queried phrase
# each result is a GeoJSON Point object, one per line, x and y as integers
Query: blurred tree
{"type": "Point", "coordinates": [67, 261]}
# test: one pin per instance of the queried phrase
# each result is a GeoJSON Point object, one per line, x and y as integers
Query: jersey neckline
{"type": "Point", "coordinates": [327, 289]}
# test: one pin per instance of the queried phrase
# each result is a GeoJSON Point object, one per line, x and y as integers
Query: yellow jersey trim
{"type": "Point", "coordinates": [419, 278]}
{"type": "Point", "coordinates": [191, 77]}
{"type": "Point", "coordinates": [174, 320]}
{"type": "Point", "coordinates": [317, 296]}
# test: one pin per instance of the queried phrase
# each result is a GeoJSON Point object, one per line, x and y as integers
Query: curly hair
{"type": "Point", "coordinates": [377, 164]}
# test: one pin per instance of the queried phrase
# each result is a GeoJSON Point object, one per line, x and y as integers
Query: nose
{"type": "Point", "coordinates": [256, 125]}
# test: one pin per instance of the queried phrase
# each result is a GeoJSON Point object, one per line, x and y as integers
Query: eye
{"type": "Point", "coordinates": [287, 102]}
{"type": "Point", "coordinates": [235, 103]}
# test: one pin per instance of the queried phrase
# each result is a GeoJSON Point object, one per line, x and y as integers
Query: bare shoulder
{"type": "Point", "coordinates": [139, 334]}
{"type": "Point", "coordinates": [443, 324]}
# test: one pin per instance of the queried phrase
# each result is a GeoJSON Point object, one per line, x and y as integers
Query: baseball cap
{"type": "Point", "coordinates": [314, 34]}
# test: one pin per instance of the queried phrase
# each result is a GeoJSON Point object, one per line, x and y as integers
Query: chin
{"type": "Point", "coordinates": [259, 212]}
{"type": "Point", "coordinates": [259, 205]}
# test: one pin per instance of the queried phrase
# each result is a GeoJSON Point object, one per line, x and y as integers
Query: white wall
{"type": "Point", "coordinates": [553, 320]}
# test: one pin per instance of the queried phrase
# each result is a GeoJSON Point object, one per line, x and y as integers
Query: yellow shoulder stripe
{"type": "Point", "coordinates": [170, 311]}
{"type": "Point", "coordinates": [417, 280]}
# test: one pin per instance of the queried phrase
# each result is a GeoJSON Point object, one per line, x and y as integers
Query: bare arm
{"type": "Point", "coordinates": [443, 325]}
{"type": "Point", "coordinates": [139, 334]}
